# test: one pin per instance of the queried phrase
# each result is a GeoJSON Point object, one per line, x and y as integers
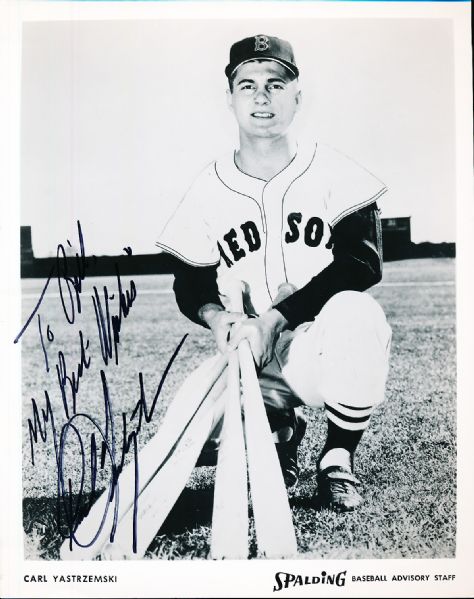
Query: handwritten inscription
{"type": "Point", "coordinates": [109, 326]}
{"type": "Point", "coordinates": [96, 450]}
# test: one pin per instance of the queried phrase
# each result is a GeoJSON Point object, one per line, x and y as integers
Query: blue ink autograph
{"type": "Point", "coordinates": [110, 340]}
{"type": "Point", "coordinates": [64, 281]}
{"type": "Point", "coordinates": [109, 327]}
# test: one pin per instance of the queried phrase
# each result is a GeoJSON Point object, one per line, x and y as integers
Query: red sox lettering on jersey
{"type": "Point", "coordinates": [267, 233]}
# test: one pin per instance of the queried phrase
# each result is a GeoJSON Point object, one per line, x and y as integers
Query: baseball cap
{"type": "Point", "coordinates": [261, 47]}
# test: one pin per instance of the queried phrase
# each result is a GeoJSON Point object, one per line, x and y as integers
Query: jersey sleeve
{"type": "Point", "coordinates": [187, 235]}
{"type": "Point", "coordinates": [350, 187]}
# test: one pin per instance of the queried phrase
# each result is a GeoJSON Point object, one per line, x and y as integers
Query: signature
{"type": "Point", "coordinates": [105, 455]}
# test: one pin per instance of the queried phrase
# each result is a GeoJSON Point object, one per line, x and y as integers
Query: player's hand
{"type": "Point", "coordinates": [221, 322]}
{"type": "Point", "coordinates": [262, 334]}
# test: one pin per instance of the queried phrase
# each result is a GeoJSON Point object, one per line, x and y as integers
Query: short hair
{"type": "Point", "coordinates": [231, 79]}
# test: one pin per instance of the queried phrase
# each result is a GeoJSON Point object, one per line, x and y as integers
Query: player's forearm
{"type": "Point", "coordinates": [306, 303]}
{"type": "Point", "coordinates": [196, 289]}
{"type": "Point", "coordinates": [357, 265]}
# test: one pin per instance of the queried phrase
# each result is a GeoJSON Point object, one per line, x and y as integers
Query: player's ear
{"type": "Point", "coordinates": [228, 94]}
{"type": "Point", "coordinates": [298, 99]}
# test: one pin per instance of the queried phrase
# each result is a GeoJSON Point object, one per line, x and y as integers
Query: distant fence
{"type": "Point", "coordinates": [152, 264]}
{"type": "Point", "coordinates": [144, 264]}
{"type": "Point", "coordinates": [418, 250]}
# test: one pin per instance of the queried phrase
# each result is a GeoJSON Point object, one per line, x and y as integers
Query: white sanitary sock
{"type": "Point", "coordinates": [336, 457]}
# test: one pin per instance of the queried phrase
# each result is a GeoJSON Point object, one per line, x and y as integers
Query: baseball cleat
{"type": "Point", "coordinates": [337, 490]}
{"type": "Point", "coordinates": [288, 453]}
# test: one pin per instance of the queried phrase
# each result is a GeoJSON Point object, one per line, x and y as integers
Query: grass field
{"type": "Point", "coordinates": [406, 460]}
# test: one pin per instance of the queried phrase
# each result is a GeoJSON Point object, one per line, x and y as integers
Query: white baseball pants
{"type": "Point", "coordinates": [339, 361]}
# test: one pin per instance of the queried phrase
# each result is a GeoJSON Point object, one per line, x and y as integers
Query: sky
{"type": "Point", "coordinates": [118, 117]}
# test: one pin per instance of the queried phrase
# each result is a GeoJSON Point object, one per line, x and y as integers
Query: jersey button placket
{"type": "Point", "coordinates": [272, 198]}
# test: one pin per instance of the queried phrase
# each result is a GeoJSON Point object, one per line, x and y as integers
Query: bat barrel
{"type": "Point", "coordinates": [230, 521]}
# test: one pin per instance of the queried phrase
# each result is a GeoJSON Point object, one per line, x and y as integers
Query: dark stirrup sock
{"type": "Point", "coordinates": [338, 437]}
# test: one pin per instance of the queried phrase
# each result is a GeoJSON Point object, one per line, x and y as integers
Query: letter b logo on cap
{"type": "Point", "coordinates": [261, 43]}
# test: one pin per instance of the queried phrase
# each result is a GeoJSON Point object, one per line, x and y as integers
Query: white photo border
{"type": "Point", "coordinates": [154, 578]}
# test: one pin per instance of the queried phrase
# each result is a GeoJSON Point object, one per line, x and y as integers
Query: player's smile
{"type": "Point", "coordinates": [264, 98]}
{"type": "Point", "coordinates": [263, 115]}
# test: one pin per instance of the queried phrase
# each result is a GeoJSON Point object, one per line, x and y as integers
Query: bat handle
{"type": "Point", "coordinates": [234, 289]}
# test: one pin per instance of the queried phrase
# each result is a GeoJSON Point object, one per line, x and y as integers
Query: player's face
{"type": "Point", "coordinates": [264, 99]}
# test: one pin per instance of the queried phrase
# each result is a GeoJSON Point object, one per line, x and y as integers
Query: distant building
{"type": "Point", "coordinates": [396, 237]}
{"type": "Point", "coordinates": [26, 246]}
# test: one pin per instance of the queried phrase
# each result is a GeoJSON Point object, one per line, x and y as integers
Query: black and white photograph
{"type": "Point", "coordinates": [238, 337]}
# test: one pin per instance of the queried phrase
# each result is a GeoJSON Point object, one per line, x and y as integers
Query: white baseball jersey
{"type": "Point", "coordinates": [267, 233]}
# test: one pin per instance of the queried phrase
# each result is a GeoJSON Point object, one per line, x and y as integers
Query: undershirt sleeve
{"type": "Point", "coordinates": [357, 249]}
{"type": "Point", "coordinates": [194, 287]}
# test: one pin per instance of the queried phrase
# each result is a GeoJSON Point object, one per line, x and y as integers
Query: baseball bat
{"type": "Point", "coordinates": [273, 520]}
{"type": "Point", "coordinates": [193, 392]}
{"type": "Point", "coordinates": [161, 492]}
{"type": "Point", "coordinates": [230, 522]}
{"type": "Point", "coordinates": [272, 514]}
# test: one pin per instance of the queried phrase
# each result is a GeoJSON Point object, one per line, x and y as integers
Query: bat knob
{"type": "Point", "coordinates": [233, 289]}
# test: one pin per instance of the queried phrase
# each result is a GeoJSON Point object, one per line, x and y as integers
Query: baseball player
{"type": "Point", "coordinates": [298, 223]}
